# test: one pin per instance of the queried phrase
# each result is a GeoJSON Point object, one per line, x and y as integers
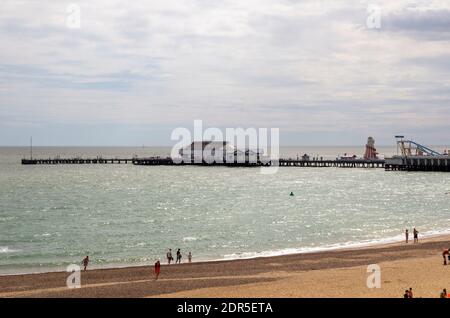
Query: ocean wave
{"type": "Point", "coordinates": [7, 218]}
{"type": "Point", "coordinates": [6, 249]}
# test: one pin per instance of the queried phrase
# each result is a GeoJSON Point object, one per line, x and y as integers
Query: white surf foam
{"type": "Point", "coordinates": [6, 249]}
{"type": "Point", "coordinates": [331, 247]}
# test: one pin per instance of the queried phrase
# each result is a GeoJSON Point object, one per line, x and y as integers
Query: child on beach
{"type": "Point", "coordinates": [157, 269]}
{"type": "Point", "coordinates": [86, 262]}
{"type": "Point", "coordinates": [190, 257]}
{"type": "Point", "coordinates": [444, 293]}
{"type": "Point", "coordinates": [407, 235]}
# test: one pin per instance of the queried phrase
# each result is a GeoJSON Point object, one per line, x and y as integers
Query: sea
{"type": "Point", "coordinates": [122, 215]}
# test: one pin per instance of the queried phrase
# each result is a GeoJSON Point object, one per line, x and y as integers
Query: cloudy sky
{"type": "Point", "coordinates": [324, 72]}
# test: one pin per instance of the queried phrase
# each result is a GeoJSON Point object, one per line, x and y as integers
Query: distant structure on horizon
{"type": "Point", "coordinates": [371, 151]}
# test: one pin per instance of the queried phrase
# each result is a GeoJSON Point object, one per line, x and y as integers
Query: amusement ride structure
{"type": "Point", "coordinates": [410, 148]}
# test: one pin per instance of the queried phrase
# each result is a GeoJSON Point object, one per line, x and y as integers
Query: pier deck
{"type": "Point", "coordinates": [341, 163]}
{"type": "Point", "coordinates": [165, 161]}
{"type": "Point", "coordinates": [418, 163]}
{"type": "Point", "coordinates": [56, 161]}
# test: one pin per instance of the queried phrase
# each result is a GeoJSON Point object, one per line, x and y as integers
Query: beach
{"type": "Point", "coordinates": [338, 273]}
{"type": "Point", "coordinates": [288, 147]}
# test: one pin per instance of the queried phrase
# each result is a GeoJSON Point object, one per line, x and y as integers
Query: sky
{"type": "Point", "coordinates": [110, 72]}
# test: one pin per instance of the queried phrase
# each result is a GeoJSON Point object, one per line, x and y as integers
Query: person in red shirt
{"type": "Point", "coordinates": [157, 269]}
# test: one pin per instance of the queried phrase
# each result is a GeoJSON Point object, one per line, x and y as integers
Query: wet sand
{"type": "Point", "coordinates": [339, 273]}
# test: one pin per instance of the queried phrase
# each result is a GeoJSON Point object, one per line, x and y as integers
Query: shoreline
{"type": "Point", "coordinates": [338, 273]}
{"type": "Point", "coordinates": [347, 246]}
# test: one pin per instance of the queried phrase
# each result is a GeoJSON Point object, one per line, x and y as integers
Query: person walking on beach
{"type": "Point", "coordinates": [157, 269]}
{"type": "Point", "coordinates": [445, 254]}
{"type": "Point", "coordinates": [178, 257]}
{"type": "Point", "coordinates": [416, 236]}
{"type": "Point", "coordinates": [169, 256]}
{"type": "Point", "coordinates": [444, 293]}
{"type": "Point", "coordinates": [410, 293]}
{"type": "Point", "coordinates": [190, 257]}
{"type": "Point", "coordinates": [407, 236]}
{"type": "Point", "coordinates": [86, 262]}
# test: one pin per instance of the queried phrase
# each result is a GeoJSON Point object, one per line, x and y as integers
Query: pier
{"type": "Point", "coordinates": [220, 153]}
{"type": "Point", "coordinates": [153, 161]}
{"type": "Point", "coordinates": [57, 161]}
{"type": "Point", "coordinates": [411, 156]}
{"type": "Point", "coordinates": [418, 163]}
{"type": "Point", "coordinates": [341, 163]}
{"type": "Point", "coordinates": [167, 161]}
{"type": "Point", "coordinates": [338, 163]}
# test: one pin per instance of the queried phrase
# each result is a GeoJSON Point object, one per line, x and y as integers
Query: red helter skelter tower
{"type": "Point", "coordinates": [371, 151]}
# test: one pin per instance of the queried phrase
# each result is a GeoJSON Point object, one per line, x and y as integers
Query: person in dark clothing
{"type": "Point", "coordinates": [178, 257]}
{"type": "Point", "coordinates": [169, 256]}
{"type": "Point", "coordinates": [416, 236]}
{"type": "Point", "coordinates": [445, 254]}
{"type": "Point", "coordinates": [86, 262]}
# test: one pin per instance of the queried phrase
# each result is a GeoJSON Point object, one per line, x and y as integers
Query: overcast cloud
{"type": "Point", "coordinates": [142, 68]}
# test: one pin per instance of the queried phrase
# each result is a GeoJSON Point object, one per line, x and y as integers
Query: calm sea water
{"type": "Point", "coordinates": [52, 216]}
